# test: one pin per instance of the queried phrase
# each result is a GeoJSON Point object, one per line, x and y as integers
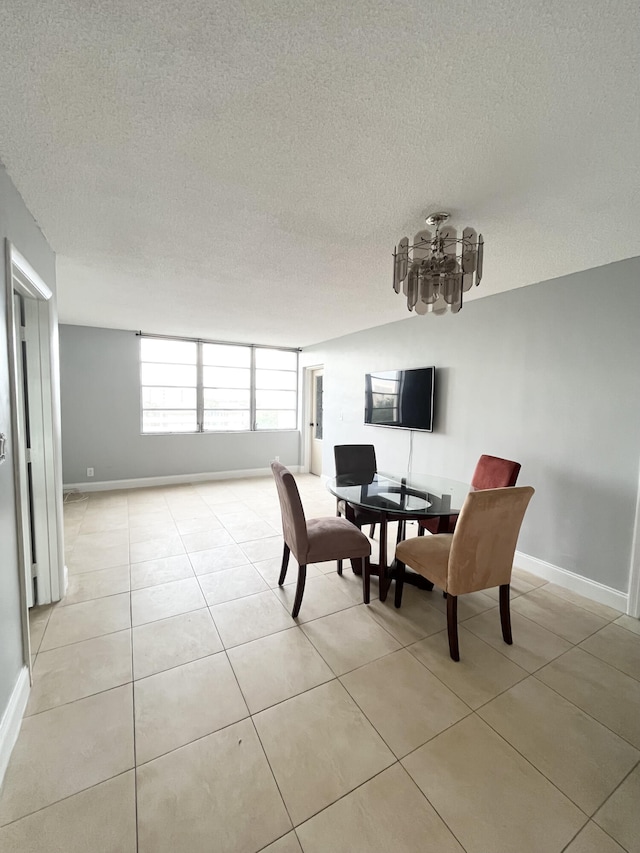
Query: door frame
{"type": "Point", "coordinates": [307, 408]}
{"type": "Point", "coordinates": [47, 474]}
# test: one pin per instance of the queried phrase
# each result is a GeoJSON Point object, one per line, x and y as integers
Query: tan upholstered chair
{"type": "Point", "coordinates": [477, 555]}
{"type": "Point", "coordinates": [317, 540]}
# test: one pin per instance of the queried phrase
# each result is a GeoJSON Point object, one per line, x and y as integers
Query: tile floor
{"type": "Point", "coordinates": [177, 706]}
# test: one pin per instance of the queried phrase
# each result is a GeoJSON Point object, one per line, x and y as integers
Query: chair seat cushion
{"type": "Point", "coordinates": [427, 555]}
{"type": "Point", "coordinates": [335, 539]}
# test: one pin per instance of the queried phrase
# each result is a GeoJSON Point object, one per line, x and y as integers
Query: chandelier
{"type": "Point", "coordinates": [437, 268]}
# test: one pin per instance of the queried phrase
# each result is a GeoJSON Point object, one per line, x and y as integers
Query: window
{"type": "Point", "coordinates": [196, 386]}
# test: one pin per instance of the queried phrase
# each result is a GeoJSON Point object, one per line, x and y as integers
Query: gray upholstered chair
{"type": "Point", "coordinates": [477, 555]}
{"type": "Point", "coordinates": [317, 540]}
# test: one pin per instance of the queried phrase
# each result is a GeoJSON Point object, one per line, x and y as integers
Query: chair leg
{"type": "Point", "coordinates": [302, 576]}
{"type": "Point", "coordinates": [505, 614]}
{"type": "Point", "coordinates": [285, 563]}
{"type": "Point", "coordinates": [366, 579]}
{"type": "Point", "coordinates": [452, 626]}
{"type": "Point", "coordinates": [339, 567]}
{"type": "Point", "coordinates": [420, 530]}
{"type": "Point", "coordinates": [399, 583]}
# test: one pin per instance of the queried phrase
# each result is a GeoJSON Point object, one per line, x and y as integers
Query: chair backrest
{"type": "Point", "coordinates": [485, 538]}
{"type": "Point", "coordinates": [492, 472]}
{"type": "Point", "coordinates": [357, 460]}
{"type": "Point", "coordinates": [294, 525]}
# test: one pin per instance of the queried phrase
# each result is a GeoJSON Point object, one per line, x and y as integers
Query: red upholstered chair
{"type": "Point", "coordinates": [477, 555]}
{"type": "Point", "coordinates": [491, 472]}
{"type": "Point", "coordinates": [317, 540]}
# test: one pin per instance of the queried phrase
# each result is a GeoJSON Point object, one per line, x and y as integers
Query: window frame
{"type": "Point", "coordinates": [200, 430]}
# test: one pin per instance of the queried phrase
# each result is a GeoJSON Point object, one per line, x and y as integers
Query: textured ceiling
{"type": "Point", "coordinates": [242, 170]}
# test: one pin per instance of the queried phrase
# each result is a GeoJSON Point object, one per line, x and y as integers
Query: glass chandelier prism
{"type": "Point", "coordinates": [438, 267]}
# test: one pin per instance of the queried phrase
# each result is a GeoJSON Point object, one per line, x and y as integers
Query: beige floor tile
{"type": "Point", "coordinates": [592, 839]}
{"type": "Point", "coordinates": [620, 815]}
{"type": "Point", "coordinates": [262, 549]}
{"type": "Point", "coordinates": [545, 729]}
{"type": "Point", "coordinates": [518, 587]}
{"type": "Point", "coordinates": [104, 520]}
{"type": "Point", "coordinates": [351, 584]}
{"type": "Point", "coordinates": [154, 549]}
{"type": "Point", "coordinates": [171, 642]}
{"type": "Point", "coordinates": [163, 570]}
{"type": "Point", "coordinates": [250, 531]}
{"type": "Point", "coordinates": [629, 623]}
{"type": "Point", "coordinates": [65, 750]}
{"type": "Point", "coordinates": [87, 619]}
{"type": "Point", "coordinates": [605, 693]}
{"type": "Point", "coordinates": [561, 617]}
{"type": "Point", "coordinates": [217, 793]}
{"type": "Point", "coordinates": [320, 598]}
{"type": "Point", "coordinates": [414, 621]}
{"type": "Point", "coordinates": [277, 667]}
{"type": "Point", "coordinates": [483, 807]}
{"type": "Point", "coordinates": [349, 639]}
{"type": "Point", "coordinates": [204, 540]}
{"type": "Point", "coordinates": [480, 674]}
{"type": "Point", "coordinates": [406, 703]}
{"type": "Point", "coordinates": [82, 669]}
{"type": "Point", "coordinates": [167, 599]}
{"type": "Point", "coordinates": [469, 605]}
{"type": "Point", "coordinates": [250, 618]}
{"type": "Point", "coordinates": [145, 517]}
{"type": "Point", "coordinates": [151, 532]}
{"type": "Point", "coordinates": [218, 587]}
{"type": "Point", "coordinates": [218, 559]}
{"type": "Point", "coordinates": [270, 571]}
{"type": "Point", "coordinates": [616, 646]}
{"type": "Point", "coordinates": [528, 577]}
{"type": "Point", "coordinates": [199, 524]}
{"type": "Point", "coordinates": [101, 819]}
{"type": "Point", "coordinates": [101, 539]}
{"type": "Point", "coordinates": [287, 844]}
{"type": "Point", "coordinates": [185, 703]}
{"type": "Point", "coordinates": [90, 559]}
{"type": "Point", "coordinates": [386, 814]}
{"type": "Point", "coordinates": [189, 510]}
{"type": "Point", "coordinates": [608, 613]}
{"type": "Point", "coordinates": [533, 646]}
{"type": "Point", "coordinates": [320, 746]}
{"type": "Point", "coordinates": [238, 519]}
{"type": "Point", "coordinates": [89, 585]}
{"type": "Point", "coordinates": [38, 621]}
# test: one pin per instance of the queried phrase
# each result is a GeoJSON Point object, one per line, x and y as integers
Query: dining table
{"type": "Point", "coordinates": [401, 498]}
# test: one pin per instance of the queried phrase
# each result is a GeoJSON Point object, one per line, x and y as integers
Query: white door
{"type": "Point", "coordinates": [315, 427]}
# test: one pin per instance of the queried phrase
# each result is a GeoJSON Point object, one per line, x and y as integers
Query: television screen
{"type": "Point", "coordinates": [400, 398]}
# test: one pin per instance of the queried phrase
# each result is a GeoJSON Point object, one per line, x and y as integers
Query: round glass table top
{"type": "Point", "coordinates": [416, 495]}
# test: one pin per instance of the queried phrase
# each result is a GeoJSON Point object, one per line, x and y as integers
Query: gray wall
{"type": "Point", "coordinates": [548, 375]}
{"type": "Point", "coordinates": [16, 224]}
{"type": "Point", "coordinates": [100, 386]}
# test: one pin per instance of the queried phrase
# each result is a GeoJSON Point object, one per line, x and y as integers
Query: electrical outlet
{"type": "Point", "coordinates": [277, 458]}
{"type": "Point", "coordinates": [90, 472]}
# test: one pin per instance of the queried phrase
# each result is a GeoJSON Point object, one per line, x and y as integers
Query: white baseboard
{"type": "Point", "coordinates": [172, 479]}
{"type": "Point", "coordinates": [12, 719]}
{"type": "Point", "coordinates": [583, 586]}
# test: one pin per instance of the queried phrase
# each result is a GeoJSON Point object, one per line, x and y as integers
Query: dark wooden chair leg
{"type": "Point", "coordinates": [452, 626]}
{"type": "Point", "coordinates": [420, 530]}
{"type": "Point", "coordinates": [372, 531]}
{"type": "Point", "coordinates": [302, 576]}
{"type": "Point", "coordinates": [505, 614]}
{"type": "Point", "coordinates": [339, 567]}
{"type": "Point", "coordinates": [285, 563]}
{"type": "Point", "coordinates": [399, 573]}
{"type": "Point", "coordinates": [366, 579]}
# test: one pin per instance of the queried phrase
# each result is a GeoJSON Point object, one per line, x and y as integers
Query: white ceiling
{"type": "Point", "coordinates": [242, 170]}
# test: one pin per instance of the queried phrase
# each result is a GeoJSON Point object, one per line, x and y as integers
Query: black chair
{"type": "Point", "coordinates": [358, 461]}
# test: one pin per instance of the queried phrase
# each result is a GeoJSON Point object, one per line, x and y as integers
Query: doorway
{"type": "Point", "coordinates": [35, 406]}
{"type": "Point", "coordinates": [316, 380]}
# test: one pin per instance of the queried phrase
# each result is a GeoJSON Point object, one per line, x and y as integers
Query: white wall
{"type": "Point", "coordinates": [100, 384]}
{"type": "Point", "coordinates": [548, 375]}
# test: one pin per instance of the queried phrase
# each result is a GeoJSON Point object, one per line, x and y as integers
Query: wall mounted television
{"type": "Point", "coordinates": [400, 398]}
